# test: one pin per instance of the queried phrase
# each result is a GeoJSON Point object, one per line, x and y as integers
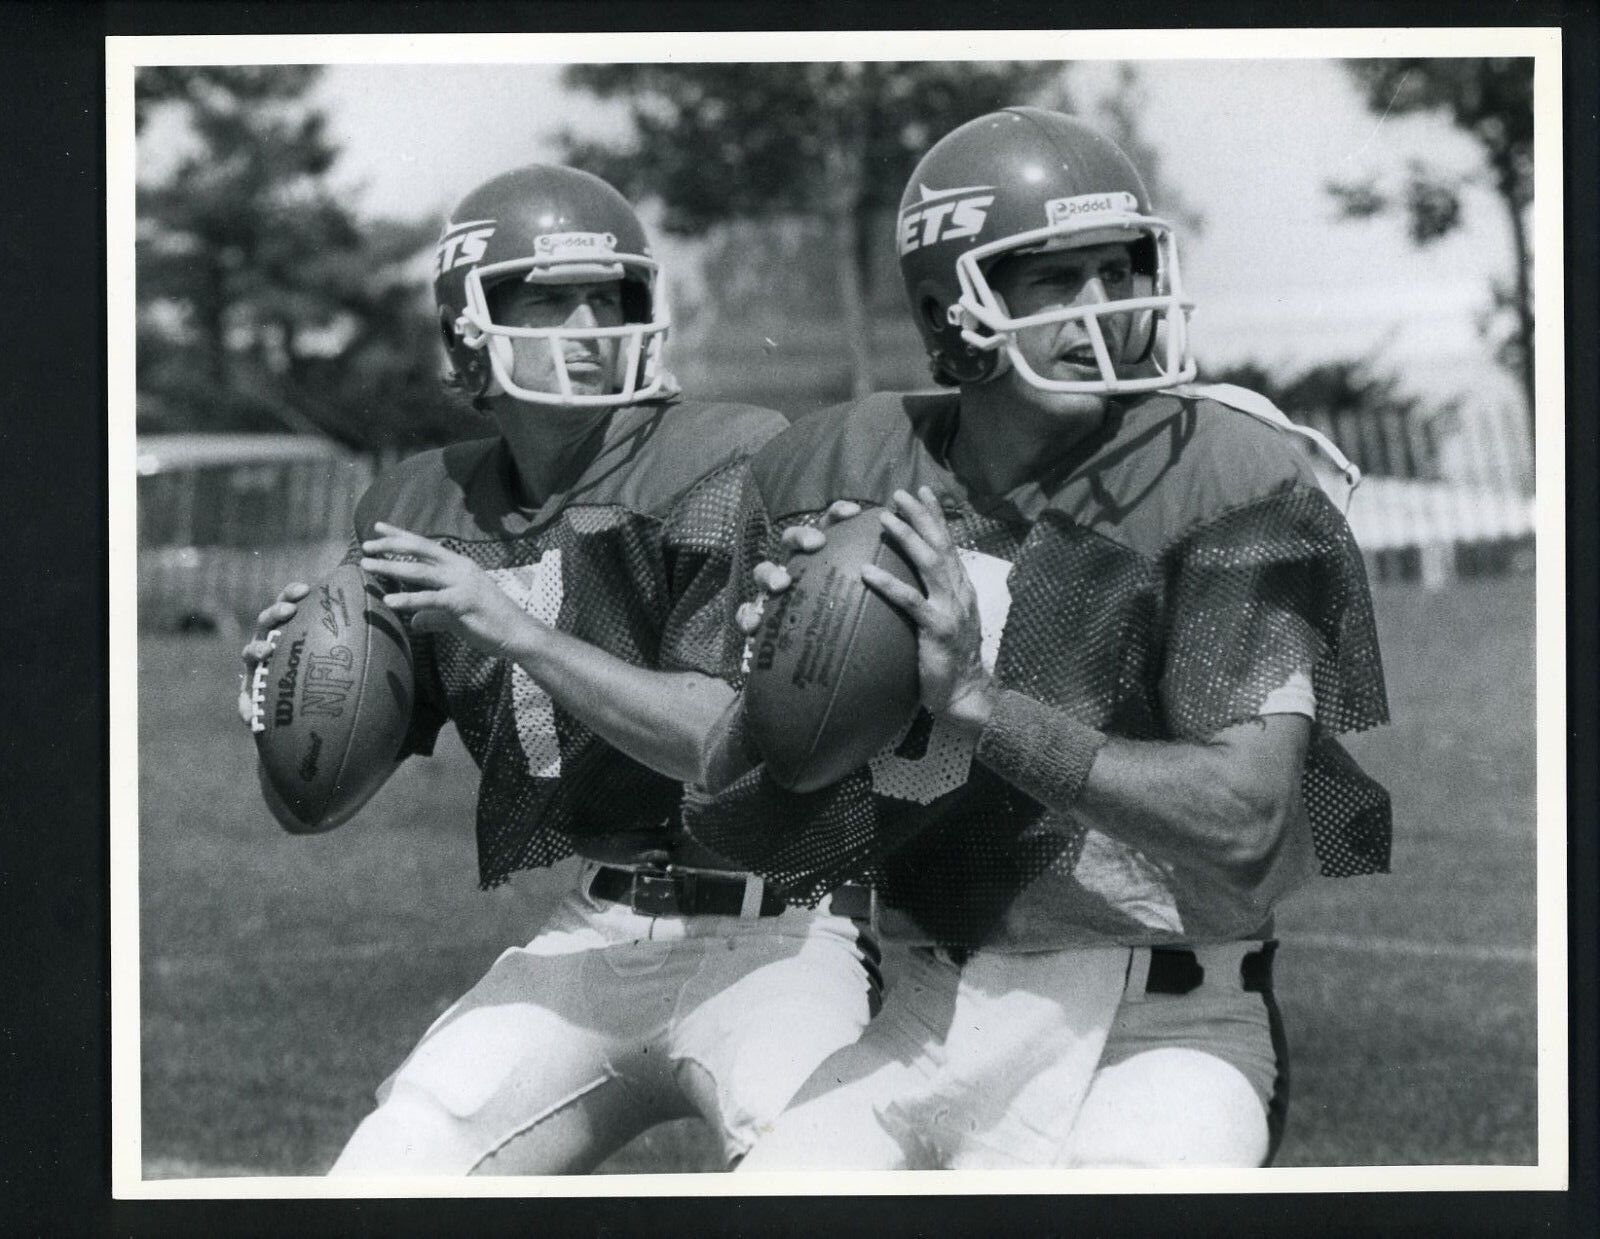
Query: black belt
{"type": "Point", "coordinates": [680, 892]}
{"type": "Point", "coordinates": [1175, 970]}
{"type": "Point", "coordinates": [683, 892]}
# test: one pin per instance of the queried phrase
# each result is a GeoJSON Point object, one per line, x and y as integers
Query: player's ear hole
{"type": "Point", "coordinates": [933, 314]}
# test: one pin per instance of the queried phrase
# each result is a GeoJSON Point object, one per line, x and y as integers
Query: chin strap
{"type": "Point", "coordinates": [1255, 405]}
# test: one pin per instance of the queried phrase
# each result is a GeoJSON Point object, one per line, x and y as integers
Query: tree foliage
{"type": "Point", "coordinates": [213, 87]}
{"type": "Point", "coordinates": [264, 303]}
{"type": "Point", "coordinates": [729, 141]}
{"type": "Point", "coordinates": [830, 143]}
{"type": "Point", "coordinates": [1491, 101]}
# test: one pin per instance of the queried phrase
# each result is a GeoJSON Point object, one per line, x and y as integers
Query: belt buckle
{"type": "Point", "coordinates": [858, 903]}
{"type": "Point", "coordinates": [656, 894]}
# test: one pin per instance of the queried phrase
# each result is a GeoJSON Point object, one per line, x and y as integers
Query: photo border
{"type": "Point", "coordinates": [1543, 44]}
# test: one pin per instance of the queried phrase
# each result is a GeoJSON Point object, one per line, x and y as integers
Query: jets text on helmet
{"type": "Point", "coordinates": [941, 216]}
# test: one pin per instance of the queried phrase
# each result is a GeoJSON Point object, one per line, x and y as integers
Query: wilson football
{"type": "Point", "coordinates": [332, 702]}
{"type": "Point", "coordinates": [833, 674]}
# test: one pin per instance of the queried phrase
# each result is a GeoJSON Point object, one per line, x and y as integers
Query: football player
{"type": "Point", "coordinates": [1142, 622]}
{"type": "Point", "coordinates": [567, 588]}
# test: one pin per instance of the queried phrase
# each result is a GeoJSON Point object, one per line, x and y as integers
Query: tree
{"type": "Point", "coordinates": [264, 303]}
{"type": "Point", "coordinates": [372, 377]}
{"type": "Point", "coordinates": [234, 226]}
{"type": "Point", "coordinates": [829, 142]}
{"type": "Point", "coordinates": [1491, 100]}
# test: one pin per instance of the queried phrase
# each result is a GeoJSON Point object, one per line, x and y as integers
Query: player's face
{"type": "Point", "coordinates": [1064, 279]}
{"type": "Point", "coordinates": [591, 364]}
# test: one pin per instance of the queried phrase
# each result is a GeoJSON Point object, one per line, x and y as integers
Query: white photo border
{"type": "Point", "coordinates": [125, 54]}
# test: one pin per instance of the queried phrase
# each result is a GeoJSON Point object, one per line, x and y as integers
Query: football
{"type": "Point", "coordinates": [332, 702]}
{"type": "Point", "coordinates": [833, 669]}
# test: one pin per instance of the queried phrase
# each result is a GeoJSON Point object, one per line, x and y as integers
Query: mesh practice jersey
{"type": "Point", "coordinates": [635, 559]}
{"type": "Point", "coordinates": [1163, 583]}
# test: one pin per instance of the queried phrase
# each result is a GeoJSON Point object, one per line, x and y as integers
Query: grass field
{"type": "Point", "coordinates": [282, 978]}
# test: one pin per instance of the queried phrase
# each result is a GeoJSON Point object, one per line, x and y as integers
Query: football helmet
{"type": "Point", "coordinates": [549, 224]}
{"type": "Point", "coordinates": [1023, 180]}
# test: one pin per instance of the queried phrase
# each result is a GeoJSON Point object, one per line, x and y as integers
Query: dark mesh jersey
{"type": "Point", "coordinates": [634, 559]}
{"type": "Point", "coordinates": [1172, 576]}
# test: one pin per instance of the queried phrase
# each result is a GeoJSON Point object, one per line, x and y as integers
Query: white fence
{"type": "Point", "coordinates": [1462, 503]}
{"type": "Point", "coordinates": [1434, 531]}
{"type": "Point", "coordinates": [226, 520]}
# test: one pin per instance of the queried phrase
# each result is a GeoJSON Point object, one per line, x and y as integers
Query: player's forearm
{"type": "Point", "coordinates": [659, 718]}
{"type": "Point", "coordinates": [1187, 800]}
{"type": "Point", "coordinates": [1223, 803]}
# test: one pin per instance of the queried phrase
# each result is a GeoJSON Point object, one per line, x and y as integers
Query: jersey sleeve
{"type": "Point", "coordinates": [1269, 592]}
{"type": "Point", "coordinates": [1263, 593]}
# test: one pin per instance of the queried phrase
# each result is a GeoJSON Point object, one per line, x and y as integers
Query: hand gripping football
{"type": "Point", "coordinates": [332, 702]}
{"type": "Point", "coordinates": [833, 676]}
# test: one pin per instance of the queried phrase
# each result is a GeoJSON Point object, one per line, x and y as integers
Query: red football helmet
{"type": "Point", "coordinates": [1020, 180]}
{"type": "Point", "coordinates": [551, 224]}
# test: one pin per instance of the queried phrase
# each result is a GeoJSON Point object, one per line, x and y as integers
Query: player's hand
{"type": "Point", "coordinates": [774, 578]}
{"type": "Point", "coordinates": [444, 592]}
{"type": "Point", "coordinates": [949, 634]}
{"type": "Point", "coordinates": [276, 615]}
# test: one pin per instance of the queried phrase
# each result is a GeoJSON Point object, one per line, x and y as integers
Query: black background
{"type": "Point", "coordinates": [54, 875]}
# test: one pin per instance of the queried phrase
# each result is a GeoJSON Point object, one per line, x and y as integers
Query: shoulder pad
{"type": "Point", "coordinates": [861, 450]}
{"type": "Point", "coordinates": [1335, 473]}
{"type": "Point", "coordinates": [671, 448]}
{"type": "Point", "coordinates": [1175, 460]}
{"type": "Point", "coordinates": [429, 493]}
{"type": "Point", "coordinates": [722, 431]}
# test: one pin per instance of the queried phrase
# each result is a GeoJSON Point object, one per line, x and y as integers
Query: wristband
{"type": "Point", "coordinates": [1038, 749]}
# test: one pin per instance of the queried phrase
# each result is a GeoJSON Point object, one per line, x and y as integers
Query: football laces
{"type": "Point", "coordinates": [258, 687]}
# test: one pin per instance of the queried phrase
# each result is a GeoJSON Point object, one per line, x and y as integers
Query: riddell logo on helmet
{"type": "Point", "coordinates": [1061, 210]}
{"type": "Point", "coordinates": [462, 245]}
{"type": "Point", "coordinates": [575, 245]}
{"type": "Point", "coordinates": [945, 215]}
